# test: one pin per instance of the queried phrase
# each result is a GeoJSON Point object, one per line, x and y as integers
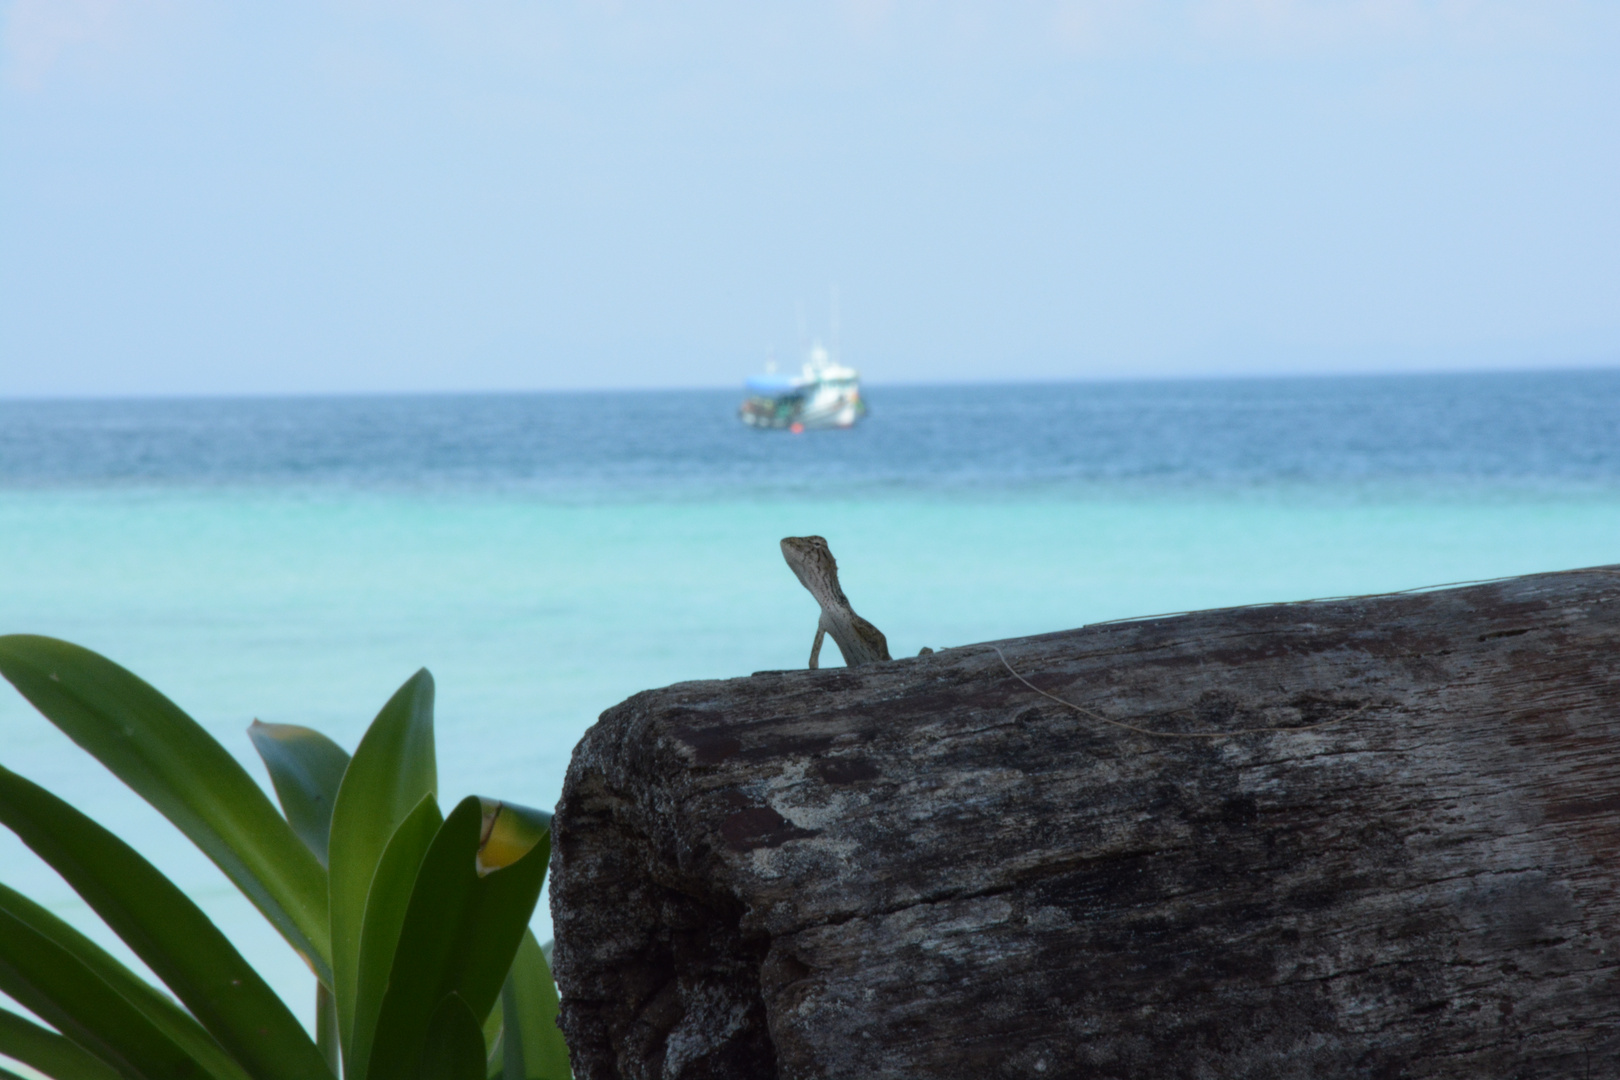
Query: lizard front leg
{"type": "Point", "coordinates": [815, 650]}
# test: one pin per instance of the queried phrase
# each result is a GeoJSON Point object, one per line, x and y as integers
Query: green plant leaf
{"type": "Point", "coordinates": [533, 1045]}
{"type": "Point", "coordinates": [385, 914]}
{"type": "Point", "coordinates": [326, 1028]}
{"type": "Point", "coordinates": [54, 985]}
{"type": "Point", "coordinates": [494, 1039]}
{"type": "Point", "coordinates": [54, 1055]}
{"type": "Point", "coordinates": [306, 767]}
{"type": "Point", "coordinates": [173, 1022]}
{"type": "Point", "coordinates": [166, 930]}
{"type": "Point", "coordinates": [392, 770]}
{"type": "Point", "coordinates": [507, 833]}
{"type": "Point", "coordinates": [461, 931]}
{"type": "Point", "coordinates": [172, 763]}
{"type": "Point", "coordinates": [454, 1049]}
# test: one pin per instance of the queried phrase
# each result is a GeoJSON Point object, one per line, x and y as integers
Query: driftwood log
{"type": "Point", "coordinates": [924, 868]}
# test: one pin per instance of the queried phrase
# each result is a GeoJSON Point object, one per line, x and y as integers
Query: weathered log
{"type": "Point", "coordinates": [924, 868]}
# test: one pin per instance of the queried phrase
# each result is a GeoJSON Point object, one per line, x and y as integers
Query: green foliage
{"type": "Point", "coordinates": [172, 763]}
{"type": "Point", "coordinates": [392, 772]}
{"type": "Point", "coordinates": [165, 929]}
{"type": "Point", "coordinates": [529, 1002]}
{"type": "Point", "coordinates": [25, 1041]}
{"type": "Point", "coordinates": [415, 924]}
{"type": "Point", "coordinates": [306, 768]}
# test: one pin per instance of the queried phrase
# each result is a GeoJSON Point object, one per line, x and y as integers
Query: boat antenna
{"type": "Point", "coordinates": [804, 336]}
{"type": "Point", "coordinates": [835, 323]}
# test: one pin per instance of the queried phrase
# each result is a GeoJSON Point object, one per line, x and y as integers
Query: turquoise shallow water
{"type": "Point", "coordinates": [538, 599]}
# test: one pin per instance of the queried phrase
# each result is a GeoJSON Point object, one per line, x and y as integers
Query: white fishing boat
{"type": "Point", "coordinates": [825, 394]}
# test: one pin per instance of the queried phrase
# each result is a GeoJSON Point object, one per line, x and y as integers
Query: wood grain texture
{"type": "Point", "coordinates": [923, 869]}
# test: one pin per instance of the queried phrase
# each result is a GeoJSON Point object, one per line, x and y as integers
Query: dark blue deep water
{"type": "Point", "coordinates": [1560, 428]}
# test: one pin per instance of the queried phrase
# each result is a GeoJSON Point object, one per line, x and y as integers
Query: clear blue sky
{"type": "Point", "coordinates": [480, 194]}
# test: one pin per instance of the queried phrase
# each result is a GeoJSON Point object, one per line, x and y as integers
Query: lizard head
{"type": "Point", "coordinates": [803, 547]}
{"type": "Point", "coordinates": [813, 564]}
{"type": "Point", "coordinates": [811, 561]}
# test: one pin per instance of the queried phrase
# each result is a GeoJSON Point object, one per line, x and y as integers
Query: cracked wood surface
{"type": "Point", "coordinates": [922, 868]}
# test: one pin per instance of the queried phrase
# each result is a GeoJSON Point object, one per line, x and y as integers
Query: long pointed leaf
{"type": "Point", "coordinates": [54, 1055]}
{"type": "Point", "coordinates": [172, 763]}
{"type": "Point", "coordinates": [391, 771]}
{"type": "Point", "coordinates": [385, 915]}
{"type": "Point", "coordinates": [494, 1040]}
{"type": "Point", "coordinates": [54, 985]}
{"type": "Point", "coordinates": [461, 931]}
{"type": "Point", "coordinates": [454, 1049]}
{"type": "Point", "coordinates": [533, 1043]}
{"type": "Point", "coordinates": [177, 1025]}
{"type": "Point", "coordinates": [307, 768]}
{"type": "Point", "coordinates": [166, 930]}
{"type": "Point", "coordinates": [326, 1029]}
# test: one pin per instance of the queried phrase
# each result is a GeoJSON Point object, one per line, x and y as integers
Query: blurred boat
{"type": "Point", "coordinates": [825, 394]}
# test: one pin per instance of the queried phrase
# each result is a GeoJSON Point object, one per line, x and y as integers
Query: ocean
{"type": "Point", "coordinates": [547, 555]}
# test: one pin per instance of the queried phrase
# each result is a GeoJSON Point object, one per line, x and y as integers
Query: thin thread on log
{"type": "Point", "coordinates": [1174, 734]}
{"type": "Point", "coordinates": [1416, 590]}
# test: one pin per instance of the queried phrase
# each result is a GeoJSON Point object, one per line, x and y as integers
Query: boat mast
{"type": "Point", "coordinates": [835, 353]}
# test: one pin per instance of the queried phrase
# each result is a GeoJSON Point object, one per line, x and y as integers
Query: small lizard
{"type": "Point", "coordinates": [813, 564]}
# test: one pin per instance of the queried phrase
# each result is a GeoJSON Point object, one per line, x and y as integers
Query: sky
{"type": "Point", "coordinates": [340, 196]}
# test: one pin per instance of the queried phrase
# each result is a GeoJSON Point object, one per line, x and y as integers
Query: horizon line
{"type": "Point", "coordinates": [1111, 379]}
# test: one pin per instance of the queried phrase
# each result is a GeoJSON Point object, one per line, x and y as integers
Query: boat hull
{"type": "Point", "coordinates": [824, 408]}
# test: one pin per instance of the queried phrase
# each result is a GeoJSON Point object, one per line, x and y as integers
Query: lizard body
{"type": "Point", "coordinates": [813, 564]}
